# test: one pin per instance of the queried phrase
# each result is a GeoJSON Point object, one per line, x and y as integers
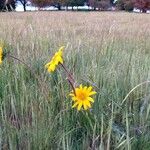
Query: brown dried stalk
{"type": "Point", "coordinates": [70, 77]}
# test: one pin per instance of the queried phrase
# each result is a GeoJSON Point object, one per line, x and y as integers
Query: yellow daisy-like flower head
{"type": "Point", "coordinates": [1, 55]}
{"type": "Point", "coordinates": [56, 59]}
{"type": "Point", "coordinates": [82, 97]}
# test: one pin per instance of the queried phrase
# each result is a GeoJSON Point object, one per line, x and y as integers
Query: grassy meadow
{"type": "Point", "coordinates": [110, 51]}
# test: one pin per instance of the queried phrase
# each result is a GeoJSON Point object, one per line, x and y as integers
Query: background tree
{"type": "Point", "coordinates": [100, 4]}
{"type": "Point", "coordinates": [1, 4]}
{"type": "Point", "coordinates": [79, 2]}
{"type": "Point", "coordinates": [73, 3]}
{"type": "Point", "coordinates": [23, 2]}
{"type": "Point", "coordinates": [7, 5]}
{"type": "Point", "coordinates": [44, 3]}
{"type": "Point", "coordinates": [58, 3]}
{"type": "Point", "coordinates": [143, 5]}
{"type": "Point", "coordinates": [70, 3]}
{"type": "Point", "coordinates": [127, 5]}
{"type": "Point", "coordinates": [41, 3]}
{"type": "Point", "coordinates": [120, 4]}
{"type": "Point", "coordinates": [112, 2]}
{"type": "Point", "coordinates": [104, 4]}
{"type": "Point", "coordinates": [93, 4]}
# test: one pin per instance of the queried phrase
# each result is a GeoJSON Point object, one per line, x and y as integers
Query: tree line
{"type": "Point", "coordinates": [128, 5]}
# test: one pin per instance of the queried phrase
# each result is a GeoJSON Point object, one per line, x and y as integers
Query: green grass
{"type": "Point", "coordinates": [109, 51]}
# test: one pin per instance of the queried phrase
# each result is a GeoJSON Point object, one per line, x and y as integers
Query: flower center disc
{"type": "Point", "coordinates": [82, 96]}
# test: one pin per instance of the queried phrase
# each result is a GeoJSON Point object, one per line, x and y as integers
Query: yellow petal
{"type": "Point", "coordinates": [51, 68]}
{"type": "Point", "coordinates": [80, 87]}
{"type": "Point", "coordinates": [90, 99]}
{"type": "Point", "coordinates": [1, 54]}
{"type": "Point", "coordinates": [85, 88]}
{"type": "Point", "coordinates": [79, 106]}
{"type": "Point", "coordinates": [74, 98]}
{"type": "Point", "coordinates": [71, 94]}
{"type": "Point", "coordinates": [88, 103]}
{"type": "Point", "coordinates": [47, 65]}
{"type": "Point", "coordinates": [61, 48]}
{"type": "Point", "coordinates": [75, 105]}
{"type": "Point", "coordinates": [59, 53]}
{"type": "Point", "coordinates": [61, 61]}
{"type": "Point", "coordinates": [85, 106]}
{"type": "Point", "coordinates": [92, 93]}
{"type": "Point", "coordinates": [77, 91]}
{"type": "Point", "coordinates": [89, 88]}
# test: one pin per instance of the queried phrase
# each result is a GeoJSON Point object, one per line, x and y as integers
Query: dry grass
{"type": "Point", "coordinates": [74, 26]}
{"type": "Point", "coordinates": [108, 50]}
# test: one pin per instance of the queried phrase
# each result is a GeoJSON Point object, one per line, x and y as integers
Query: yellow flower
{"type": "Point", "coordinates": [1, 55]}
{"type": "Point", "coordinates": [82, 97]}
{"type": "Point", "coordinates": [56, 59]}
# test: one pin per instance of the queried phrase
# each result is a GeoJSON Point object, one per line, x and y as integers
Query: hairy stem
{"type": "Point", "coordinates": [70, 77]}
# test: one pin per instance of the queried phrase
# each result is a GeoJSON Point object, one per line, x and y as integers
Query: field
{"type": "Point", "coordinates": [109, 51]}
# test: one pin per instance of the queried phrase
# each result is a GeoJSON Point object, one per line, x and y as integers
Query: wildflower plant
{"type": "Point", "coordinates": [55, 61]}
{"type": "Point", "coordinates": [1, 55]}
{"type": "Point", "coordinates": [81, 95]}
{"type": "Point", "coordinates": [5, 53]}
